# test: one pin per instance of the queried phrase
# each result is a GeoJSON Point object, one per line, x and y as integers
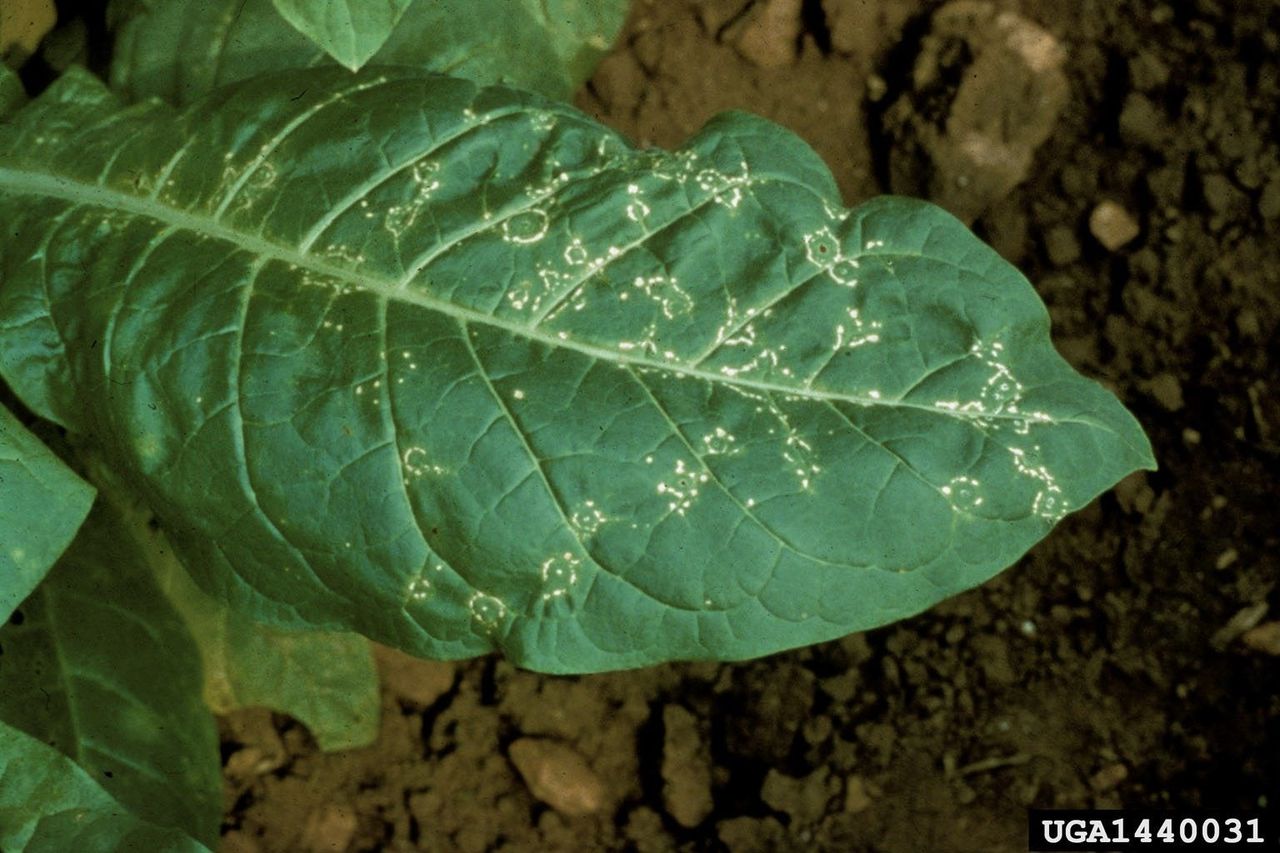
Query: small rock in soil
{"type": "Point", "coordinates": [769, 33]}
{"type": "Point", "coordinates": [1061, 245]}
{"type": "Point", "coordinates": [245, 764]}
{"type": "Point", "coordinates": [686, 768]}
{"type": "Point", "coordinates": [1112, 225]}
{"type": "Point", "coordinates": [1108, 777]}
{"type": "Point", "coordinates": [558, 776]}
{"type": "Point", "coordinates": [1167, 391]}
{"type": "Point", "coordinates": [1263, 638]}
{"type": "Point", "coordinates": [962, 134]}
{"type": "Point", "coordinates": [329, 829]}
{"type": "Point", "coordinates": [419, 681]}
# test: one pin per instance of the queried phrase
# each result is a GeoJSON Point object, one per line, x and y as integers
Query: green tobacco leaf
{"type": "Point", "coordinates": [182, 49]}
{"type": "Point", "coordinates": [351, 31]}
{"type": "Point", "coordinates": [459, 369]}
{"type": "Point", "coordinates": [579, 31]}
{"type": "Point", "coordinates": [101, 668]}
{"type": "Point", "coordinates": [42, 505]}
{"type": "Point", "coordinates": [246, 664]}
{"type": "Point", "coordinates": [325, 679]}
{"type": "Point", "coordinates": [49, 803]}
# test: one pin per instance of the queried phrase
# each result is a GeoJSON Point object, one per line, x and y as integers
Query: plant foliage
{"type": "Point", "coordinates": [477, 374]}
{"type": "Point", "coordinates": [182, 49]}
{"type": "Point", "coordinates": [388, 354]}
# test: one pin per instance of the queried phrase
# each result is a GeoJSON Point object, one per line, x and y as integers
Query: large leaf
{"type": "Point", "coordinates": [49, 803]}
{"type": "Point", "coordinates": [42, 504]}
{"type": "Point", "coordinates": [459, 369]}
{"type": "Point", "coordinates": [351, 31]}
{"type": "Point", "coordinates": [181, 49]}
{"type": "Point", "coordinates": [101, 668]}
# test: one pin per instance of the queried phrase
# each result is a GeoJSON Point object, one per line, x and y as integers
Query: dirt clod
{"type": "Point", "coordinates": [767, 35]}
{"type": "Point", "coordinates": [330, 829]}
{"type": "Point", "coordinates": [686, 768]}
{"type": "Point", "coordinates": [262, 750]}
{"type": "Point", "coordinates": [1141, 121]}
{"type": "Point", "coordinates": [1109, 776]}
{"type": "Point", "coordinates": [1061, 245]}
{"type": "Point", "coordinates": [1263, 638]}
{"type": "Point", "coordinates": [558, 776]}
{"type": "Point", "coordinates": [1167, 391]}
{"type": "Point", "coordinates": [805, 799]}
{"type": "Point", "coordinates": [752, 835]}
{"type": "Point", "coordinates": [1112, 225]}
{"type": "Point", "coordinates": [960, 133]}
{"type": "Point", "coordinates": [856, 798]}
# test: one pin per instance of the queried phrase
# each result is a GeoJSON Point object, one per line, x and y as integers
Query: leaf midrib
{"type": "Point", "coordinates": [79, 193]}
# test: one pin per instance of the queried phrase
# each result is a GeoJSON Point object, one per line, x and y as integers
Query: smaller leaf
{"type": "Point", "coordinates": [581, 31]}
{"type": "Point", "coordinates": [30, 542]}
{"type": "Point", "coordinates": [180, 50]}
{"type": "Point", "coordinates": [351, 31]}
{"type": "Point", "coordinates": [103, 669]}
{"type": "Point", "coordinates": [49, 803]}
{"type": "Point", "coordinates": [325, 679]}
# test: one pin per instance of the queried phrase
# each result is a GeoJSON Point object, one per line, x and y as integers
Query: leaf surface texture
{"type": "Point", "coordinates": [460, 369]}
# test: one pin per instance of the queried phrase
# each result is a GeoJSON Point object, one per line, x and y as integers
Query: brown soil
{"type": "Point", "coordinates": [1112, 666]}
